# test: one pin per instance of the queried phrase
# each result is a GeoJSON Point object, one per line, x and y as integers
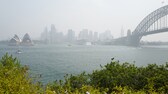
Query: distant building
{"type": "Point", "coordinates": [106, 36]}
{"type": "Point", "coordinates": [15, 41]}
{"type": "Point", "coordinates": [70, 35]}
{"type": "Point", "coordinates": [45, 36]}
{"type": "Point", "coordinates": [59, 37]}
{"type": "Point", "coordinates": [26, 41]}
{"type": "Point", "coordinates": [129, 32]}
{"type": "Point", "coordinates": [122, 32]}
{"type": "Point", "coordinates": [83, 35]}
{"type": "Point", "coordinates": [53, 34]}
{"type": "Point", "coordinates": [90, 36]}
{"type": "Point", "coordinates": [95, 36]}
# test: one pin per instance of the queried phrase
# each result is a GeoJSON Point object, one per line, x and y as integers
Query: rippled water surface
{"type": "Point", "coordinates": [54, 61]}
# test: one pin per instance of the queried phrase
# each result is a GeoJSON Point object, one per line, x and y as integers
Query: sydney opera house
{"type": "Point", "coordinates": [16, 41]}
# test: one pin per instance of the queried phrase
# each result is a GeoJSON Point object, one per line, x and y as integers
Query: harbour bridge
{"type": "Point", "coordinates": [155, 22]}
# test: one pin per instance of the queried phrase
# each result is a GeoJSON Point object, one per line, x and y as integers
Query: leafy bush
{"type": "Point", "coordinates": [113, 78]}
{"type": "Point", "coordinates": [152, 78]}
{"type": "Point", "coordinates": [14, 78]}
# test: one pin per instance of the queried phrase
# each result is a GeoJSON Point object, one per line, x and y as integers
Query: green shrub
{"type": "Point", "coordinates": [113, 78]}
{"type": "Point", "coordinates": [14, 78]}
{"type": "Point", "coordinates": [152, 78]}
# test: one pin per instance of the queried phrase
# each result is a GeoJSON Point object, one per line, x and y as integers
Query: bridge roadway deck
{"type": "Point", "coordinates": [155, 32]}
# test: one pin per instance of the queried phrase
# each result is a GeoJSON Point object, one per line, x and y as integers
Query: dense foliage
{"type": "Point", "coordinates": [113, 78]}
{"type": "Point", "coordinates": [153, 78]}
{"type": "Point", "coordinates": [118, 78]}
{"type": "Point", "coordinates": [14, 78]}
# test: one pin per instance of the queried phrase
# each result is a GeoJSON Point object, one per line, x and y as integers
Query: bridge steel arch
{"type": "Point", "coordinates": [145, 24]}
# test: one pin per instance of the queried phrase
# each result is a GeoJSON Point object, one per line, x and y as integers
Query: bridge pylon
{"type": "Point", "coordinates": [133, 41]}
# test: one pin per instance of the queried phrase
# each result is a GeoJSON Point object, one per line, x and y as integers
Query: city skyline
{"type": "Point", "coordinates": [20, 17]}
{"type": "Point", "coordinates": [52, 35]}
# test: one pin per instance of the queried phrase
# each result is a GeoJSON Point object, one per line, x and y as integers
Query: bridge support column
{"type": "Point", "coordinates": [133, 41]}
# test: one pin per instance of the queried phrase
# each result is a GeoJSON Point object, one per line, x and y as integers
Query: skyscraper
{"type": "Point", "coordinates": [106, 36]}
{"type": "Point", "coordinates": [70, 35]}
{"type": "Point", "coordinates": [52, 34]}
{"type": "Point", "coordinates": [122, 32]}
{"type": "Point", "coordinates": [45, 35]}
{"type": "Point", "coordinates": [95, 36]}
{"type": "Point", "coordinates": [83, 35]}
{"type": "Point", "coordinates": [90, 36]}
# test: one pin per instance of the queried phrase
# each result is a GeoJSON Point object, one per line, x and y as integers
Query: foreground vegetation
{"type": "Point", "coordinates": [113, 78]}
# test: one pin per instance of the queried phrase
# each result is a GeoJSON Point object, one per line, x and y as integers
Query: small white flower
{"type": "Point", "coordinates": [54, 92]}
{"type": "Point", "coordinates": [87, 92]}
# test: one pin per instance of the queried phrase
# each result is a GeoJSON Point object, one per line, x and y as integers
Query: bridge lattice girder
{"type": "Point", "coordinates": [150, 19]}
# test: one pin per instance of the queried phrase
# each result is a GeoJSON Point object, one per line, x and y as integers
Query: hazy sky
{"type": "Point", "coordinates": [32, 16]}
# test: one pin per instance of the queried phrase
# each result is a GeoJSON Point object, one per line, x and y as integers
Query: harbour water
{"type": "Point", "coordinates": [55, 61]}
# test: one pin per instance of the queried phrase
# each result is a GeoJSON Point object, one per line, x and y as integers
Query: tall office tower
{"type": "Point", "coordinates": [45, 35]}
{"type": "Point", "coordinates": [53, 34]}
{"type": "Point", "coordinates": [106, 35]}
{"type": "Point", "coordinates": [70, 35]}
{"type": "Point", "coordinates": [90, 36]}
{"type": "Point", "coordinates": [122, 32]}
{"type": "Point", "coordinates": [95, 36]}
{"type": "Point", "coordinates": [83, 35]}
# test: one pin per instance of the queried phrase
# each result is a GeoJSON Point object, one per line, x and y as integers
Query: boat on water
{"type": "Point", "coordinates": [18, 52]}
{"type": "Point", "coordinates": [88, 43]}
{"type": "Point", "coordinates": [69, 45]}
